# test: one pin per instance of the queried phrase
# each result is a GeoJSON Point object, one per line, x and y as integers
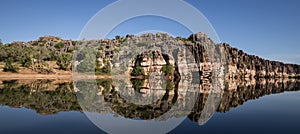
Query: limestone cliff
{"type": "Point", "coordinates": [206, 54]}
{"type": "Point", "coordinates": [241, 64]}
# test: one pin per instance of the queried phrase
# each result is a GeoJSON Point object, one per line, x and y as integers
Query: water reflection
{"type": "Point", "coordinates": [53, 96]}
{"type": "Point", "coordinates": [43, 96]}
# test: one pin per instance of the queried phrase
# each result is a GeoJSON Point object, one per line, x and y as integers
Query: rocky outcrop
{"type": "Point", "coordinates": [152, 61]}
{"type": "Point", "coordinates": [207, 55]}
{"type": "Point", "coordinates": [241, 64]}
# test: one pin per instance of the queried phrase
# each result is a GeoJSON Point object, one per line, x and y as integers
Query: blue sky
{"type": "Point", "coordinates": [267, 28]}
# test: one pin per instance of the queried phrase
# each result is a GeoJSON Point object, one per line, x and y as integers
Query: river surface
{"type": "Point", "coordinates": [51, 106]}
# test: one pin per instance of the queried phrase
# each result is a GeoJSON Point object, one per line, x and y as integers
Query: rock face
{"type": "Point", "coordinates": [241, 64]}
{"type": "Point", "coordinates": [152, 61]}
{"type": "Point", "coordinates": [237, 64]}
{"type": "Point", "coordinates": [205, 52]}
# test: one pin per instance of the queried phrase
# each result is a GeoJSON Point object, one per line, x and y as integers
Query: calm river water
{"type": "Point", "coordinates": [52, 106]}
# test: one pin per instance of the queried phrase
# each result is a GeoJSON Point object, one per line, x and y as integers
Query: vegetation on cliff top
{"type": "Point", "coordinates": [46, 55]}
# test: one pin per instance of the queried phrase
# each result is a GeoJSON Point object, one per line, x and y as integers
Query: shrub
{"type": "Point", "coordinates": [169, 86]}
{"type": "Point", "coordinates": [137, 84]}
{"type": "Point", "coordinates": [151, 54]}
{"type": "Point", "coordinates": [53, 56]}
{"type": "Point", "coordinates": [101, 48]}
{"type": "Point", "coordinates": [86, 66]}
{"type": "Point", "coordinates": [10, 67]}
{"type": "Point", "coordinates": [167, 69]}
{"type": "Point", "coordinates": [64, 61]}
{"type": "Point", "coordinates": [104, 70]}
{"type": "Point", "coordinates": [137, 71]}
{"type": "Point", "coordinates": [59, 45]}
{"type": "Point", "coordinates": [117, 37]}
{"type": "Point", "coordinates": [87, 58]}
{"type": "Point", "coordinates": [143, 43]}
{"type": "Point", "coordinates": [35, 43]}
{"type": "Point", "coordinates": [26, 61]}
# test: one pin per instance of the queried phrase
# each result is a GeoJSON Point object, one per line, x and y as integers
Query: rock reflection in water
{"type": "Point", "coordinates": [51, 97]}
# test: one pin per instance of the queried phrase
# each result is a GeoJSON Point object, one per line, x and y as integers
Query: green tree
{"type": "Point", "coordinates": [59, 45]}
{"type": "Point", "coordinates": [169, 85]}
{"type": "Point", "coordinates": [64, 61]}
{"type": "Point", "coordinates": [53, 56]}
{"type": "Point", "coordinates": [26, 57]}
{"type": "Point", "coordinates": [87, 58]}
{"type": "Point", "coordinates": [118, 37]}
{"type": "Point", "coordinates": [86, 66]}
{"type": "Point", "coordinates": [167, 69]}
{"type": "Point", "coordinates": [26, 61]}
{"type": "Point", "coordinates": [3, 53]}
{"type": "Point", "coordinates": [10, 67]}
{"type": "Point", "coordinates": [137, 71]}
{"type": "Point", "coordinates": [137, 84]}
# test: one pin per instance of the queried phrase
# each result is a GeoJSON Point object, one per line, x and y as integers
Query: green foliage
{"type": "Point", "coordinates": [18, 54]}
{"type": "Point", "coordinates": [116, 50]}
{"type": "Point", "coordinates": [3, 53]}
{"type": "Point", "coordinates": [118, 37]}
{"type": "Point", "coordinates": [26, 57]}
{"type": "Point", "coordinates": [106, 69]}
{"type": "Point", "coordinates": [53, 56]}
{"type": "Point", "coordinates": [26, 61]}
{"type": "Point", "coordinates": [106, 83]}
{"type": "Point", "coordinates": [169, 86]}
{"type": "Point", "coordinates": [101, 48]}
{"type": "Point", "coordinates": [143, 43]}
{"type": "Point", "coordinates": [137, 84]}
{"type": "Point", "coordinates": [182, 39]}
{"type": "Point", "coordinates": [64, 61]}
{"type": "Point", "coordinates": [59, 45]}
{"type": "Point", "coordinates": [74, 43]}
{"type": "Point", "coordinates": [1, 42]}
{"type": "Point", "coordinates": [87, 58]}
{"type": "Point", "coordinates": [98, 54]}
{"type": "Point", "coordinates": [10, 67]}
{"type": "Point", "coordinates": [167, 69]}
{"type": "Point", "coordinates": [35, 43]}
{"type": "Point", "coordinates": [85, 66]}
{"type": "Point", "coordinates": [42, 54]}
{"type": "Point", "coordinates": [151, 54]}
{"type": "Point", "coordinates": [43, 101]}
{"type": "Point", "coordinates": [88, 91]}
{"type": "Point", "coordinates": [80, 56]}
{"type": "Point", "coordinates": [70, 50]}
{"type": "Point", "coordinates": [137, 71]}
{"type": "Point", "coordinates": [10, 51]}
{"type": "Point", "coordinates": [41, 66]}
